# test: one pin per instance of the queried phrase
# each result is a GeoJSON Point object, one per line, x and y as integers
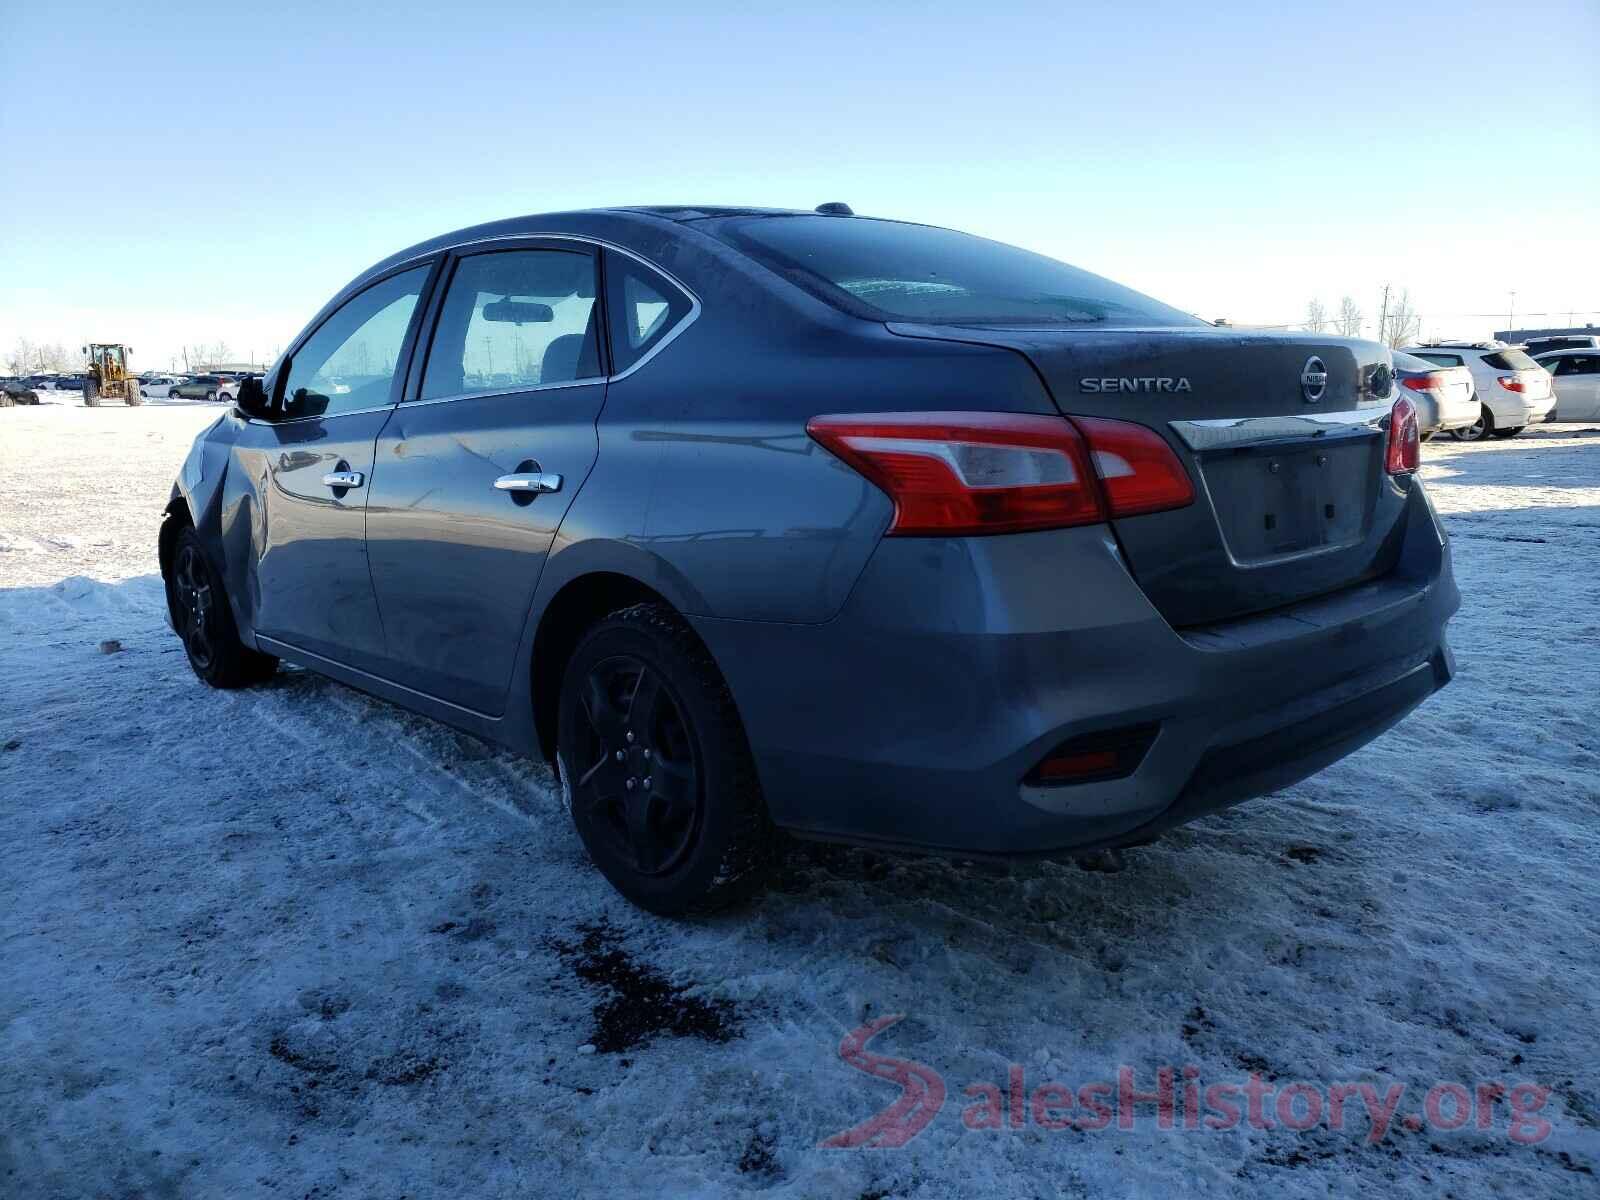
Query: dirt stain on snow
{"type": "Point", "coordinates": [640, 1002]}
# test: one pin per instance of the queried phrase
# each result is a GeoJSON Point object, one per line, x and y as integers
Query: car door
{"type": "Point", "coordinates": [311, 469]}
{"type": "Point", "coordinates": [1577, 384]}
{"type": "Point", "coordinates": [475, 470]}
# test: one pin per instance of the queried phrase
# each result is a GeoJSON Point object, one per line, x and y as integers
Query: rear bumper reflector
{"type": "Point", "coordinates": [1094, 757]}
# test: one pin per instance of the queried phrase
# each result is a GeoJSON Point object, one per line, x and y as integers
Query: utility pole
{"type": "Point", "coordinates": [1511, 313]}
{"type": "Point", "coordinates": [1383, 314]}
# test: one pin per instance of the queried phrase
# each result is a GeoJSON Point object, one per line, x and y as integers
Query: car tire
{"type": "Point", "coordinates": [1483, 427]}
{"type": "Point", "coordinates": [665, 797]}
{"type": "Point", "coordinates": [203, 619]}
{"type": "Point", "coordinates": [211, 396]}
{"type": "Point", "coordinates": [1509, 433]}
{"type": "Point", "coordinates": [6, 401]}
{"type": "Point", "coordinates": [91, 395]}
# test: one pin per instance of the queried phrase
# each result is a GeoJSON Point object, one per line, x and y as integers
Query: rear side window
{"type": "Point", "coordinates": [644, 310]}
{"type": "Point", "coordinates": [889, 271]}
{"type": "Point", "coordinates": [1509, 360]}
{"type": "Point", "coordinates": [512, 320]}
{"type": "Point", "coordinates": [1573, 364]}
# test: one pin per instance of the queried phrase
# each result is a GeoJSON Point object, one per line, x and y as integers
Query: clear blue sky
{"type": "Point", "coordinates": [181, 172]}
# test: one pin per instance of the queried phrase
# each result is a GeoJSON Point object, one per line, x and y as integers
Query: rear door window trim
{"type": "Point", "coordinates": [461, 249]}
{"type": "Point", "coordinates": [410, 397]}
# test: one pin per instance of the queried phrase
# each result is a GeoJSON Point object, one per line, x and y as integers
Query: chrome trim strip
{"type": "Point", "coordinates": [689, 319]}
{"type": "Point", "coordinates": [515, 391]}
{"type": "Point", "coordinates": [354, 412]}
{"type": "Point", "coordinates": [1229, 432]}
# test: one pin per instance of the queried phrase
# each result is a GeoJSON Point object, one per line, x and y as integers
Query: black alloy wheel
{"type": "Point", "coordinates": [196, 607]}
{"type": "Point", "coordinates": [655, 766]}
{"type": "Point", "coordinates": [636, 781]}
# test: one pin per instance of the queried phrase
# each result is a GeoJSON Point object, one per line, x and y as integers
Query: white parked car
{"type": "Point", "coordinates": [1576, 374]}
{"type": "Point", "coordinates": [1443, 395]}
{"type": "Point", "coordinates": [1514, 390]}
{"type": "Point", "coordinates": [226, 392]}
{"type": "Point", "coordinates": [159, 387]}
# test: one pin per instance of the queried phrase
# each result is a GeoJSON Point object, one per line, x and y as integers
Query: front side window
{"type": "Point", "coordinates": [349, 363]}
{"type": "Point", "coordinates": [643, 309]}
{"type": "Point", "coordinates": [892, 271]}
{"type": "Point", "coordinates": [512, 320]}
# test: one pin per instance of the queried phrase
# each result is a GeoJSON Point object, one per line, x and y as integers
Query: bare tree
{"type": "Point", "coordinates": [204, 354]}
{"type": "Point", "coordinates": [1348, 322]}
{"type": "Point", "coordinates": [27, 356]}
{"type": "Point", "coordinates": [47, 356]}
{"type": "Point", "coordinates": [20, 358]}
{"type": "Point", "coordinates": [1316, 317]}
{"type": "Point", "coordinates": [1403, 324]}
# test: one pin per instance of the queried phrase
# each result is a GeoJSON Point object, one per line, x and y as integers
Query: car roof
{"type": "Point", "coordinates": [602, 224]}
{"type": "Point", "coordinates": [1479, 348]}
{"type": "Point", "coordinates": [1568, 351]}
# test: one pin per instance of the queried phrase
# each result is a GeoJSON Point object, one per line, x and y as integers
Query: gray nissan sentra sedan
{"type": "Point", "coordinates": [755, 521]}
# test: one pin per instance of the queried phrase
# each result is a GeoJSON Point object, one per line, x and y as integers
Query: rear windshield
{"type": "Point", "coordinates": [1509, 360]}
{"type": "Point", "coordinates": [889, 271]}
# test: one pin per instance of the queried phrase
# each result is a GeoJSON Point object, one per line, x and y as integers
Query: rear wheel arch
{"type": "Point", "coordinates": [579, 604]}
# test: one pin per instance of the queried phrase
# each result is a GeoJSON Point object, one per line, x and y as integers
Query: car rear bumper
{"type": "Point", "coordinates": [1459, 414]}
{"type": "Point", "coordinates": [912, 718]}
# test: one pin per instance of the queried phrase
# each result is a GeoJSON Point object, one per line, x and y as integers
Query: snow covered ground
{"type": "Point", "coordinates": [294, 941]}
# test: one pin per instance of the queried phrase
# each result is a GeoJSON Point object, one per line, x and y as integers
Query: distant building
{"type": "Point", "coordinates": [1522, 335]}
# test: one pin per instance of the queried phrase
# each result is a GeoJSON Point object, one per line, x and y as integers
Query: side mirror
{"type": "Point", "coordinates": [251, 400]}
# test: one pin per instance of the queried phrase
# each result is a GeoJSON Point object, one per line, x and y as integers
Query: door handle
{"type": "Point", "coordinates": [533, 481]}
{"type": "Point", "coordinates": [343, 479]}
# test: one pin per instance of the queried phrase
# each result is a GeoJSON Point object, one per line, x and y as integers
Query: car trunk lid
{"type": "Point", "coordinates": [1283, 435]}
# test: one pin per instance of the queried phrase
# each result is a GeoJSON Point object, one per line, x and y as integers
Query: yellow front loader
{"type": "Point", "coordinates": [108, 377]}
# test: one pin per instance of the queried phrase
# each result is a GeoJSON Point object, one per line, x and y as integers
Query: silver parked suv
{"type": "Point", "coordinates": [1514, 390]}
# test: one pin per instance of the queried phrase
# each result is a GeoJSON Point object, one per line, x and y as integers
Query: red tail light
{"type": "Point", "coordinates": [1424, 383]}
{"type": "Point", "coordinates": [1512, 384]}
{"type": "Point", "coordinates": [1405, 440]}
{"type": "Point", "coordinates": [956, 473]}
{"type": "Point", "coordinates": [1139, 471]}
